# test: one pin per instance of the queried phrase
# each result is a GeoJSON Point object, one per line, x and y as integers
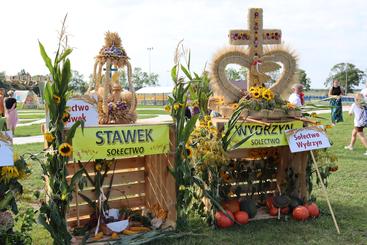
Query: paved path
{"type": "Point", "coordinates": [28, 140]}
{"type": "Point", "coordinates": [43, 120]}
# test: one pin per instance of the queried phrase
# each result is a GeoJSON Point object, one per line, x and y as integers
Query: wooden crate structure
{"type": "Point", "coordinates": [138, 182]}
{"type": "Point", "coordinates": [283, 161]}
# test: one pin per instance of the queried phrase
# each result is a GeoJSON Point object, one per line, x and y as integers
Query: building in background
{"type": "Point", "coordinates": [154, 95]}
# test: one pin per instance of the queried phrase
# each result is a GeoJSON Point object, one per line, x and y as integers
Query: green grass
{"type": "Point", "coordinates": [34, 116]}
{"type": "Point", "coordinates": [347, 192]}
{"type": "Point", "coordinates": [31, 130]}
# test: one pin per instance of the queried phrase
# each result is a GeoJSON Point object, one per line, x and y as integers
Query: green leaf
{"type": "Point", "coordinates": [187, 73]}
{"type": "Point", "coordinates": [64, 54]}
{"type": "Point", "coordinates": [174, 73]}
{"type": "Point", "coordinates": [65, 76]}
{"type": "Point", "coordinates": [88, 200]}
{"type": "Point", "coordinates": [73, 128]}
{"type": "Point", "coordinates": [238, 144]}
{"type": "Point", "coordinates": [75, 179]}
{"type": "Point", "coordinates": [189, 127]}
{"type": "Point", "coordinates": [45, 57]}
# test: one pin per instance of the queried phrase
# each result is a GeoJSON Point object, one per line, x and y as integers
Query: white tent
{"type": "Point", "coordinates": [154, 95]}
{"type": "Point", "coordinates": [155, 90]}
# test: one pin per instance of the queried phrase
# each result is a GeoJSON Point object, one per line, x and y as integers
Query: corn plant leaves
{"type": "Point", "coordinates": [45, 57]}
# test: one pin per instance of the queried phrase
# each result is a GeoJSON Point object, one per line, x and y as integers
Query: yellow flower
{"type": "Point", "coordinates": [256, 94]}
{"type": "Point", "coordinates": [313, 114]}
{"type": "Point", "coordinates": [65, 116]}
{"type": "Point", "coordinates": [291, 106]}
{"type": "Point", "coordinates": [65, 150]}
{"type": "Point", "coordinates": [57, 99]}
{"type": "Point", "coordinates": [207, 118]}
{"type": "Point", "coordinates": [328, 126]}
{"type": "Point", "coordinates": [210, 124]}
{"type": "Point", "coordinates": [15, 157]}
{"type": "Point", "coordinates": [267, 94]}
{"type": "Point", "coordinates": [234, 106]}
{"type": "Point", "coordinates": [181, 188]}
{"type": "Point", "coordinates": [252, 89]}
{"type": "Point", "coordinates": [167, 108]}
{"type": "Point", "coordinates": [98, 167]}
{"type": "Point", "coordinates": [49, 137]}
{"type": "Point", "coordinates": [8, 173]}
{"type": "Point", "coordinates": [176, 106]}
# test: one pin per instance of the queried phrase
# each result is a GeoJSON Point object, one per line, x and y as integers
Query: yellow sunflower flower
{"type": "Point", "coordinates": [234, 106]}
{"type": "Point", "coordinates": [65, 116]}
{"type": "Point", "coordinates": [98, 167]}
{"type": "Point", "coordinates": [8, 173]}
{"type": "Point", "coordinates": [252, 89]}
{"type": "Point", "coordinates": [207, 118]}
{"type": "Point", "coordinates": [256, 94]}
{"type": "Point", "coordinates": [65, 150]}
{"type": "Point", "coordinates": [291, 106]}
{"type": "Point", "coordinates": [267, 94]}
{"type": "Point", "coordinates": [210, 124]}
{"type": "Point", "coordinates": [57, 99]}
{"type": "Point", "coordinates": [49, 137]}
{"type": "Point", "coordinates": [167, 108]}
{"type": "Point", "coordinates": [176, 106]}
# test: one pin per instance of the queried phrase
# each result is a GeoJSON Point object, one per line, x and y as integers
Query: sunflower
{"type": "Point", "coordinates": [167, 108]}
{"type": "Point", "coordinates": [291, 106]}
{"type": "Point", "coordinates": [57, 99]}
{"type": "Point", "coordinates": [98, 167]}
{"type": "Point", "coordinates": [267, 94]}
{"type": "Point", "coordinates": [65, 116]}
{"type": "Point", "coordinates": [8, 173]}
{"type": "Point", "coordinates": [210, 124]}
{"type": "Point", "coordinates": [49, 137]}
{"type": "Point", "coordinates": [252, 89]}
{"type": "Point", "coordinates": [65, 150]}
{"type": "Point", "coordinates": [189, 151]}
{"type": "Point", "coordinates": [234, 106]}
{"type": "Point", "coordinates": [256, 94]}
{"type": "Point", "coordinates": [176, 106]}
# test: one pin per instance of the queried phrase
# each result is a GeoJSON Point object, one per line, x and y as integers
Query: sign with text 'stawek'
{"type": "Point", "coordinates": [307, 139]}
{"type": "Point", "coordinates": [115, 142]}
{"type": "Point", "coordinates": [263, 135]}
{"type": "Point", "coordinates": [6, 148]}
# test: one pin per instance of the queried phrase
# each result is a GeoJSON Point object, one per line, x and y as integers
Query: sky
{"type": "Point", "coordinates": [322, 33]}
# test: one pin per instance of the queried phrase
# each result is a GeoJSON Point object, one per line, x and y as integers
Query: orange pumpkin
{"type": "Point", "coordinates": [241, 217]}
{"type": "Point", "coordinates": [232, 205]}
{"type": "Point", "coordinates": [273, 211]}
{"type": "Point", "coordinates": [269, 202]}
{"type": "Point", "coordinates": [313, 210]}
{"type": "Point", "coordinates": [300, 213]}
{"type": "Point", "coordinates": [222, 220]}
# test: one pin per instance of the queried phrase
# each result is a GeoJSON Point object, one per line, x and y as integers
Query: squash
{"type": "Point", "coordinates": [313, 210]}
{"type": "Point", "coordinates": [222, 220]}
{"type": "Point", "coordinates": [241, 217]}
{"type": "Point", "coordinates": [300, 213]}
{"type": "Point", "coordinates": [284, 210]}
{"type": "Point", "coordinates": [232, 205]}
{"type": "Point", "coordinates": [273, 211]}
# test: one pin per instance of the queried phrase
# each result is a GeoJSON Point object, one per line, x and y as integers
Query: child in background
{"type": "Point", "coordinates": [357, 109]}
{"type": "Point", "coordinates": [11, 113]}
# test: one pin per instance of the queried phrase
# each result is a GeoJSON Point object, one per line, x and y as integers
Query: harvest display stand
{"type": "Point", "coordinates": [138, 183]}
{"type": "Point", "coordinates": [285, 160]}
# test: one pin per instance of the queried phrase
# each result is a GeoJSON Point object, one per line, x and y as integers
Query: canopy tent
{"type": "Point", "coordinates": [154, 95]}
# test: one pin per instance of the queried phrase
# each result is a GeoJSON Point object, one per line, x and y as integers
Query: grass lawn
{"type": "Point", "coordinates": [31, 130]}
{"type": "Point", "coordinates": [31, 116]}
{"type": "Point", "coordinates": [347, 192]}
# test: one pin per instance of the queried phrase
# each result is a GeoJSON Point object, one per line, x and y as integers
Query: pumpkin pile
{"type": "Point", "coordinates": [294, 206]}
{"type": "Point", "coordinates": [235, 212]}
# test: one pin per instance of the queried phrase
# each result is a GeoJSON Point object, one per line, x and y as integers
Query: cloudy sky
{"type": "Point", "coordinates": [322, 32]}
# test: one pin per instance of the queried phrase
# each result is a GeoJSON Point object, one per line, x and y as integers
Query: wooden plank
{"type": "Point", "coordinates": [127, 163]}
{"type": "Point", "coordinates": [85, 209]}
{"type": "Point", "coordinates": [120, 177]}
{"type": "Point", "coordinates": [117, 191]}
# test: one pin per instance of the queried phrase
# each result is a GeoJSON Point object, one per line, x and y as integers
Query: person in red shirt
{"type": "Point", "coordinates": [2, 109]}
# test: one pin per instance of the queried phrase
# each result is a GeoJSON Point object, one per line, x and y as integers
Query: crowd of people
{"type": "Point", "coordinates": [335, 94]}
{"type": "Point", "coordinates": [8, 109]}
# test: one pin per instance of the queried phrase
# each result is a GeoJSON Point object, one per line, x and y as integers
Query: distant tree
{"type": "Point", "coordinates": [143, 79]}
{"type": "Point", "coordinates": [348, 75]}
{"type": "Point", "coordinates": [123, 79]}
{"type": "Point", "coordinates": [77, 83]}
{"type": "Point", "coordinates": [2, 76]}
{"type": "Point", "coordinates": [23, 72]}
{"type": "Point", "coordinates": [236, 74]}
{"type": "Point", "coordinates": [304, 80]}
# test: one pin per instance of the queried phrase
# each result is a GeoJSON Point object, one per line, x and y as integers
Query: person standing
{"type": "Point", "coordinates": [359, 122]}
{"type": "Point", "coordinates": [11, 113]}
{"type": "Point", "coordinates": [2, 108]}
{"type": "Point", "coordinates": [297, 97]}
{"type": "Point", "coordinates": [335, 95]}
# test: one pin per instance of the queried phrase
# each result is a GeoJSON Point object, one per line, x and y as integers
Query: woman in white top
{"type": "Point", "coordinates": [357, 110]}
{"type": "Point", "coordinates": [296, 97]}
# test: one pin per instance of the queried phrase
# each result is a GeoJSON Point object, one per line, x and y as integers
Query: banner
{"type": "Point", "coordinates": [6, 148]}
{"type": "Point", "coordinates": [111, 142]}
{"type": "Point", "coordinates": [307, 139]}
{"type": "Point", "coordinates": [264, 136]}
{"type": "Point", "coordinates": [82, 108]}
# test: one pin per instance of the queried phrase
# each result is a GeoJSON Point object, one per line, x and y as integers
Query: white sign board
{"type": "Point", "coordinates": [6, 148]}
{"type": "Point", "coordinates": [82, 109]}
{"type": "Point", "coordinates": [307, 139]}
